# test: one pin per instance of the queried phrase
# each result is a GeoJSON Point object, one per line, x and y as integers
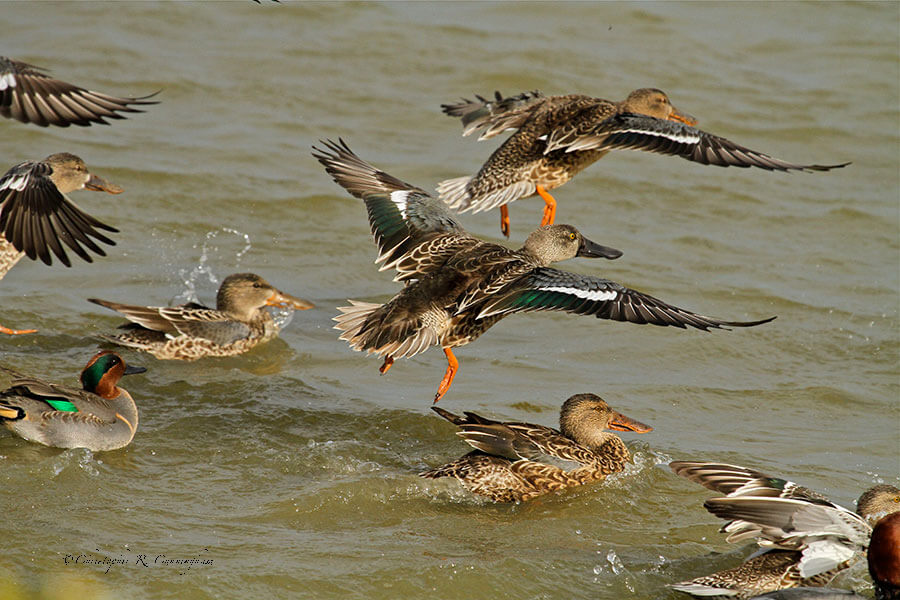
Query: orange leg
{"type": "Point", "coordinates": [550, 208]}
{"type": "Point", "coordinates": [452, 368]}
{"type": "Point", "coordinates": [388, 361]}
{"type": "Point", "coordinates": [504, 220]}
{"type": "Point", "coordinates": [9, 331]}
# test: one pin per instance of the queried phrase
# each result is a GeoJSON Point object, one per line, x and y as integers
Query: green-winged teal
{"type": "Point", "coordinates": [100, 416]}
{"type": "Point", "coordinates": [191, 331]}
{"type": "Point", "coordinates": [36, 217]}
{"type": "Point", "coordinates": [458, 286]}
{"type": "Point", "coordinates": [31, 96]}
{"type": "Point", "coordinates": [806, 539]}
{"type": "Point", "coordinates": [519, 461]}
{"type": "Point", "coordinates": [558, 136]}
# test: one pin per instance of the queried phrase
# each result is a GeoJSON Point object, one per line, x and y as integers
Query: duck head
{"type": "Point", "coordinates": [103, 372]}
{"type": "Point", "coordinates": [69, 173]}
{"type": "Point", "coordinates": [878, 501]}
{"type": "Point", "coordinates": [553, 243]}
{"type": "Point", "coordinates": [585, 417]}
{"type": "Point", "coordinates": [242, 295]}
{"type": "Point", "coordinates": [655, 103]}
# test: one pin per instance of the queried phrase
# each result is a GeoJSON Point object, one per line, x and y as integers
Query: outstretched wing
{"type": "Point", "coordinates": [31, 96]}
{"type": "Point", "coordinates": [413, 230]}
{"type": "Point", "coordinates": [497, 115]}
{"type": "Point", "coordinates": [641, 132]}
{"type": "Point", "coordinates": [552, 289]}
{"type": "Point", "coordinates": [734, 480]}
{"type": "Point", "coordinates": [35, 216]}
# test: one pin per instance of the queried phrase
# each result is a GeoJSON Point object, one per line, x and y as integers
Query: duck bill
{"type": "Point", "coordinates": [681, 117]}
{"type": "Point", "coordinates": [132, 370]}
{"type": "Point", "coordinates": [287, 301]}
{"type": "Point", "coordinates": [98, 184]}
{"type": "Point", "coordinates": [620, 422]}
{"type": "Point", "coordinates": [589, 249]}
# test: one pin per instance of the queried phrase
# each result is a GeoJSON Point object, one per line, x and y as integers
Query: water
{"type": "Point", "coordinates": [293, 468]}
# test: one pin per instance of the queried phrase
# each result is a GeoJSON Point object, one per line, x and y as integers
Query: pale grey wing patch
{"type": "Point", "coordinates": [505, 195]}
{"type": "Point", "coordinates": [455, 192]}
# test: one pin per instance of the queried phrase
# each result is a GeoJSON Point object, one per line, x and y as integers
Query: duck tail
{"type": "Point", "coordinates": [455, 192]}
{"type": "Point", "coordinates": [370, 327]}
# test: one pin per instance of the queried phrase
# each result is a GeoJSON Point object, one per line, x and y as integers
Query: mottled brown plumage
{"type": "Point", "coordinates": [29, 95]}
{"type": "Point", "coordinates": [559, 136]}
{"type": "Point", "coordinates": [191, 331]}
{"type": "Point", "coordinates": [807, 538]}
{"type": "Point", "coordinates": [519, 461]}
{"type": "Point", "coordinates": [458, 286]}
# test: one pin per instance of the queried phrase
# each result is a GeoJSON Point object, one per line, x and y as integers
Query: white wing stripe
{"type": "Point", "coordinates": [596, 295]}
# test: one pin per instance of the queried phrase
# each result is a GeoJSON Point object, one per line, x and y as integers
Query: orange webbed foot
{"type": "Point", "coordinates": [9, 331]}
{"type": "Point", "coordinates": [549, 208]}
{"type": "Point", "coordinates": [504, 221]}
{"type": "Point", "coordinates": [386, 365]}
{"type": "Point", "coordinates": [452, 368]}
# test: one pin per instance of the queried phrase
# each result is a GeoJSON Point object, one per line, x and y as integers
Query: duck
{"type": "Point", "coordinates": [805, 538]}
{"type": "Point", "coordinates": [29, 95]}
{"type": "Point", "coordinates": [192, 331]}
{"type": "Point", "coordinates": [100, 416]}
{"type": "Point", "coordinates": [515, 462]}
{"type": "Point", "coordinates": [559, 136]}
{"type": "Point", "coordinates": [458, 286]}
{"type": "Point", "coordinates": [36, 216]}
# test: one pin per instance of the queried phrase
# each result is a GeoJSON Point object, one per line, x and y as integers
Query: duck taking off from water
{"type": "Point", "coordinates": [36, 216]}
{"type": "Point", "coordinates": [559, 136]}
{"type": "Point", "coordinates": [29, 95]}
{"type": "Point", "coordinates": [806, 538]}
{"type": "Point", "coordinates": [99, 416]}
{"type": "Point", "coordinates": [191, 331]}
{"type": "Point", "coordinates": [458, 286]}
{"type": "Point", "coordinates": [514, 462]}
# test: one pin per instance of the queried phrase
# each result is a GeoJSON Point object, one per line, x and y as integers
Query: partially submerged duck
{"type": "Point", "coordinates": [239, 322]}
{"type": "Point", "coordinates": [806, 538]}
{"type": "Point", "coordinates": [29, 95]}
{"type": "Point", "coordinates": [99, 416]}
{"type": "Point", "coordinates": [458, 286]}
{"type": "Point", "coordinates": [514, 462]}
{"type": "Point", "coordinates": [559, 136]}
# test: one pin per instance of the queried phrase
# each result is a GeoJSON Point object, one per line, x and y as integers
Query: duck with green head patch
{"type": "Point", "coordinates": [99, 416]}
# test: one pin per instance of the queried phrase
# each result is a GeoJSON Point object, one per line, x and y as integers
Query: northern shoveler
{"type": "Point", "coordinates": [100, 416]}
{"type": "Point", "coordinates": [36, 216]}
{"type": "Point", "coordinates": [514, 462]}
{"type": "Point", "coordinates": [559, 136]}
{"type": "Point", "coordinates": [31, 96]}
{"type": "Point", "coordinates": [191, 331]}
{"type": "Point", "coordinates": [458, 286]}
{"type": "Point", "coordinates": [807, 539]}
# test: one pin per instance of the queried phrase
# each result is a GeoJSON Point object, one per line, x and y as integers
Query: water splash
{"type": "Point", "coordinates": [203, 269]}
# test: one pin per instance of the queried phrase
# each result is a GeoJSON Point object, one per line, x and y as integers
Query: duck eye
{"type": "Point", "coordinates": [572, 236]}
{"type": "Point", "coordinates": [256, 284]}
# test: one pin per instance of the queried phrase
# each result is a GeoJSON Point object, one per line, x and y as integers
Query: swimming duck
{"type": "Point", "coordinates": [31, 96]}
{"type": "Point", "coordinates": [514, 462]}
{"type": "Point", "coordinates": [559, 136]}
{"type": "Point", "coordinates": [191, 331]}
{"type": "Point", "coordinates": [36, 215]}
{"type": "Point", "coordinates": [100, 416]}
{"type": "Point", "coordinates": [806, 538]}
{"type": "Point", "coordinates": [458, 286]}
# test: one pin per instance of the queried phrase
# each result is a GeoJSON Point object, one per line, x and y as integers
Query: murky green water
{"type": "Point", "coordinates": [293, 468]}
